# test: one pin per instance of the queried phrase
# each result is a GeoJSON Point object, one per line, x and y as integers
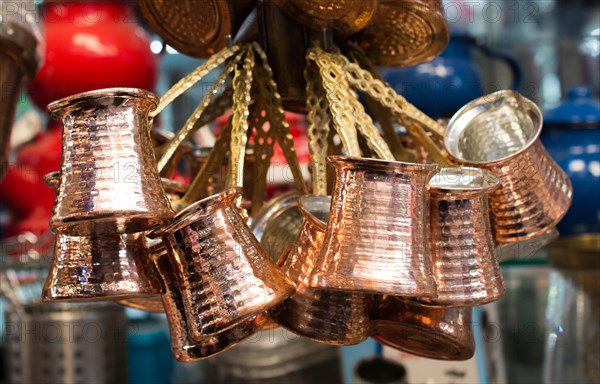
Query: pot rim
{"type": "Point", "coordinates": [456, 124]}
{"type": "Point", "coordinates": [200, 209]}
{"type": "Point", "coordinates": [477, 180]}
{"type": "Point", "coordinates": [382, 165]}
{"type": "Point", "coordinates": [54, 107]}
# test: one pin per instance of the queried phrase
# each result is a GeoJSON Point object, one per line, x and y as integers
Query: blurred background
{"type": "Point", "coordinates": [545, 329]}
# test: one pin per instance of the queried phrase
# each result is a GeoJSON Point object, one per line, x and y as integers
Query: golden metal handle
{"type": "Point", "coordinates": [193, 77]}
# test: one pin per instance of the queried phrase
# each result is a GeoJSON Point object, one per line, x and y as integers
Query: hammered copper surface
{"type": "Point", "coordinates": [196, 28]}
{"type": "Point", "coordinates": [465, 265]}
{"type": "Point", "coordinates": [345, 16]}
{"type": "Point", "coordinates": [500, 132]}
{"type": "Point", "coordinates": [224, 274]}
{"type": "Point", "coordinates": [326, 316]}
{"type": "Point", "coordinates": [99, 267]}
{"type": "Point", "coordinates": [184, 347]}
{"type": "Point", "coordinates": [377, 237]}
{"type": "Point", "coordinates": [277, 224]}
{"type": "Point", "coordinates": [109, 181]}
{"type": "Point", "coordinates": [405, 32]}
{"type": "Point", "coordinates": [434, 332]}
{"type": "Point", "coordinates": [174, 191]}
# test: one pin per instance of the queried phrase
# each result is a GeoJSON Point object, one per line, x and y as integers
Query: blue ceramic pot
{"type": "Point", "coordinates": [572, 136]}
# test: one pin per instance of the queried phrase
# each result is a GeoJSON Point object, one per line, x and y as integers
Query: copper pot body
{"type": "Point", "coordinates": [109, 180]}
{"type": "Point", "coordinates": [184, 347]}
{"type": "Point", "coordinates": [99, 267]}
{"type": "Point", "coordinates": [442, 333]}
{"type": "Point", "coordinates": [224, 274]}
{"type": "Point", "coordinates": [500, 133]}
{"type": "Point", "coordinates": [465, 265]}
{"type": "Point", "coordinates": [377, 237]}
{"type": "Point", "coordinates": [325, 316]}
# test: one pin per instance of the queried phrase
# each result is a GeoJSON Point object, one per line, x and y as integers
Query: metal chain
{"type": "Point", "coordinates": [318, 127]}
{"type": "Point", "coordinates": [382, 92]}
{"type": "Point", "coordinates": [402, 109]}
{"type": "Point", "coordinates": [331, 65]}
{"type": "Point", "coordinates": [190, 124]}
{"type": "Point", "coordinates": [242, 87]}
{"type": "Point", "coordinates": [193, 77]}
{"type": "Point", "coordinates": [276, 116]}
{"type": "Point", "coordinates": [336, 87]}
{"type": "Point", "coordinates": [383, 115]}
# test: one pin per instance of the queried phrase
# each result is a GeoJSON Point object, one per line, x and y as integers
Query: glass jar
{"type": "Point", "coordinates": [573, 313]}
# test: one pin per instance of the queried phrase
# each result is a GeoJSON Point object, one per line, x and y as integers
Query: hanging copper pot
{"type": "Point", "coordinates": [434, 332]}
{"type": "Point", "coordinates": [224, 275]}
{"type": "Point", "coordinates": [500, 132]}
{"type": "Point", "coordinates": [326, 316]}
{"type": "Point", "coordinates": [109, 180]}
{"type": "Point", "coordinates": [377, 237]}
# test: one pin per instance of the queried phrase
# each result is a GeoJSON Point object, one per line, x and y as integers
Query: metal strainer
{"type": "Point", "coordinates": [196, 28]}
{"type": "Point", "coordinates": [405, 32]}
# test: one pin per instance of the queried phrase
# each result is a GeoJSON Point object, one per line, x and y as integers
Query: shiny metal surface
{"type": "Point", "coordinates": [405, 32]}
{"type": "Point", "coordinates": [66, 343]}
{"type": "Point", "coordinates": [153, 303]}
{"type": "Point", "coordinates": [197, 28]}
{"type": "Point", "coordinates": [377, 237]}
{"type": "Point", "coordinates": [345, 16]}
{"type": "Point", "coordinates": [499, 132]}
{"type": "Point", "coordinates": [109, 181]}
{"type": "Point", "coordinates": [434, 332]}
{"type": "Point", "coordinates": [183, 346]}
{"type": "Point", "coordinates": [99, 267]}
{"type": "Point", "coordinates": [326, 316]}
{"type": "Point", "coordinates": [277, 224]}
{"type": "Point", "coordinates": [224, 275]}
{"type": "Point", "coordinates": [465, 265]}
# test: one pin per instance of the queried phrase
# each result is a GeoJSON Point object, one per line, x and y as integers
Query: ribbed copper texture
{"type": "Point", "coordinates": [326, 316]}
{"type": "Point", "coordinates": [184, 347]}
{"type": "Point", "coordinates": [345, 16]}
{"type": "Point", "coordinates": [442, 333]}
{"type": "Point", "coordinates": [224, 274]}
{"type": "Point", "coordinates": [99, 267]}
{"type": "Point", "coordinates": [377, 237]}
{"type": "Point", "coordinates": [500, 133]}
{"type": "Point", "coordinates": [109, 181]}
{"type": "Point", "coordinates": [465, 265]}
{"type": "Point", "coordinates": [405, 32]}
{"type": "Point", "coordinates": [277, 224]}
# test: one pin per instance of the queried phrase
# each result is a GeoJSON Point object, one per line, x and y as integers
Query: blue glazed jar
{"type": "Point", "coordinates": [443, 85]}
{"type": "Point", "coordinates": [571, 135]}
